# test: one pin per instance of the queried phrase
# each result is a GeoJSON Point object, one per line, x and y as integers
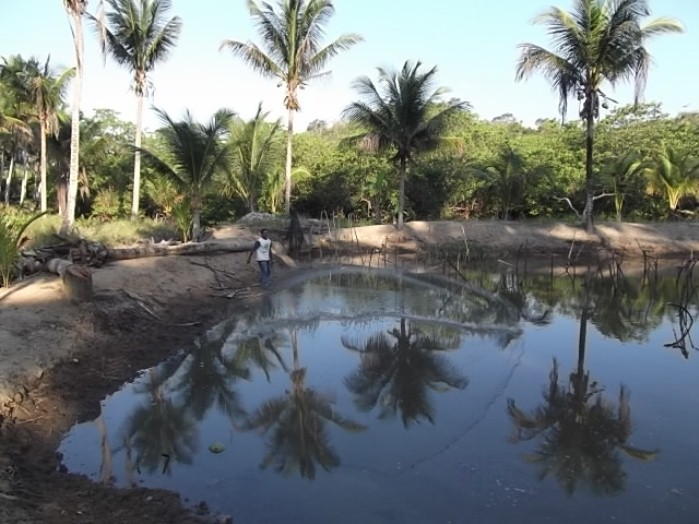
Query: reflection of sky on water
{"type": "Point", "coordinates": [460, 468]}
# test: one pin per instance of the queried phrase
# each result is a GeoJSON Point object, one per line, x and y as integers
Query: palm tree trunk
{"type": "Point", "coordinates": [69, 216]}
{"type": "Point", "coordinates": [137, 158]}
{"type": "Point", "coordinates": [42, 165]}
{"type": "Point", "coordinates": [589, 179]}
{"type": "Point", "coordinates": [401, 191]}
{"type": "Point", "coordinates": [196, 216]}
{"type": "Point", "coordinates": [25, 177]}
{"type": "Point", "coordinates": [289, 151]}
{"type": "Point", "coordinates": [8, 179]}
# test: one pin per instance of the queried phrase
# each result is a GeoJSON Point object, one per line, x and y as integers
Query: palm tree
{"type": "Point", "coordinates": [195, 153]}
{"type": "Point", "coordinates": [255, 153]}
{"type": "Point", "coordinates": [674, 174]}
{"type": "Point", "coordinates": [46, 91]}
{"type": "Point", "coordinates": [292, 52]}
{"type": "Point", "coordinates": [76, 10]}
{"type": "Point", "coordinates": [398, 375]}
{"type": "Point", "coordinates": [138, 36]}
{"type": "Point", "coordinates": [299, 439]}
{"type": "Point", "coordinates": [505, 179]}
{"type": "Point", "coordinates": [401, 114]}
{"type": "Point", "coordinates": [598, 41]}
{"type": "Point", "coordinates": [622, 171]}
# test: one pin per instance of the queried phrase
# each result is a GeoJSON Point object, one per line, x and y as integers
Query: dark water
{"type": "Point", "coordinates": [386, 398]}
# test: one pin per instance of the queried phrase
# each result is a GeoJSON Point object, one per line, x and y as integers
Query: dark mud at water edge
{"type": "Point", "coordinates": [34, 487]}
{"type": "Point", "coordinates": [379, 396]}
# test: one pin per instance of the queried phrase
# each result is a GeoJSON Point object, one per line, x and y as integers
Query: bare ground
{"type": "Point", "coordinates": [59, 359]}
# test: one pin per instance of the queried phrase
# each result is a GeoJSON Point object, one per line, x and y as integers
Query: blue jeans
{"type": "Point", "coordinates": [265, 271]}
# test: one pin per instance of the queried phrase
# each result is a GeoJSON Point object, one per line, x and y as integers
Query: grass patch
{"type": "Point", "coordinates": [113, 233]}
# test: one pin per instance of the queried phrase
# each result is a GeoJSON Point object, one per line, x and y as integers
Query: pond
{"type": "Point", "coordinates": [377, 396]}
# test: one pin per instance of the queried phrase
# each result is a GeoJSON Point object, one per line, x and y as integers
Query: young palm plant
{"type": "Point", "coordinates": [194, 154]}
{"type": "Point", "coordinates": [138, 35]}
{"type": "Point", "coordinates": [598, 41]}
{"type": "Point", "coordinates": [401, 114]}
{"type": "Point", "coordinates": [673, 174]}
{"type": "Point", "coordinates": [255, 152]}
{"type": "Point", "coordinates": [292, 52]}
{"type": "Point", "coordinates": [621, 173]}
{"type": "Point", "coordinates": [10, 243]}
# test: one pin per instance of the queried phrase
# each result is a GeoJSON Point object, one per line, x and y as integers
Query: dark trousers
{"type": "Point", "coordinates": [265, 271]}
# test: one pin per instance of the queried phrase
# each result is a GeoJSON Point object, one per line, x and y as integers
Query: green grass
{"type": "Point", "coordinates": [117, 232]}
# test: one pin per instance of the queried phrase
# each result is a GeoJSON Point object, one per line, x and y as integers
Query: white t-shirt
{"type": "Point", "coordinates": [264, 249]}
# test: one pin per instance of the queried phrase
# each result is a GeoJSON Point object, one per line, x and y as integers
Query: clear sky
{"type": "Point", "coordinates": [473, 43]}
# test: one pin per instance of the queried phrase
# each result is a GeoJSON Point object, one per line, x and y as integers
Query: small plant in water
{"type": "Point", "coordinates": [10, 241]}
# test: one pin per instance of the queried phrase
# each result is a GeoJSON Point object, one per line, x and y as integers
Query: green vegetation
{"type": "Point", "coordinates": [421, 156]}
{"type": "Point", "coordinates": [10, 243]}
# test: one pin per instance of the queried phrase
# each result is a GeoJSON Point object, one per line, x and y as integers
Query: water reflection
{"type": "Point", "coordinates": [313, 384]}
{"type": "Point", "coordinates": [295, 423]}
{"type": "Point", "coordinates": [398, 371]}
{"type": "Point", "coordinates": [581, 432]}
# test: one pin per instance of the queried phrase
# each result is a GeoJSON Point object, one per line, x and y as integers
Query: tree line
{"type": "Point", "coordinates": [401, 151]}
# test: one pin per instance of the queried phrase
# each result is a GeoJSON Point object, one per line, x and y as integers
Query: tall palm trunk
{"type": "Point", "coordinates": [42, 164]}
{"type": "Point", "coordinates": [25, 178]}
{"type": "Point", "coordinates": [137, 158]}
{"type": "Point", "coordinates": [589, 179]}
{"type": "Point", "coordinates": [69, 216]}
{"type": "Point", "coordinates": [8, 179]}
{"type": "Point", "coordinates": [401, 190]}
{"type": "Point", "coordinates": [289, 151]}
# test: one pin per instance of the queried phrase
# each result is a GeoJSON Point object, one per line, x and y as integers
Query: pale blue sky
{"type": "Point", "coordinates": [473, 43]}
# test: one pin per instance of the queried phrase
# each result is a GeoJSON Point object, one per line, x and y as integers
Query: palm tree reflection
{"type": "Point", "coordinates": [397, 373]}
{"type": "Point", "coordinates": [296, 422]}
{"type": "Point", "coordinates": [209, 379]}
{"type": "Point", "coordinates": [581, 432]}
{"type": "Point", "coordinates": [161, 432]}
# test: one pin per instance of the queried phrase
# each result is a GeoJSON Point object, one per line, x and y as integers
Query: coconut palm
{"type": "Point", "coordinates": [621, 172]}
{"type": "Point", "coordinates": [255, 152]}
{"type": "Point", "coordinates": [44, 88]}
{"type": "Point", "coordinates": [76, 10]}
{"type": "Point", "coordinates": [299, 440]}
{"type": "Point", "coordinates": [138, 35]}
{"type": "Point", "coordinates": [194, 154]}
{"type": "Point", "coordinates": [292, 52]}
{"type": "Point", "coordinates": [673, 174]}
{"type": "Point", "coordinates": [398, 374]}
{"type": "Point", "coordinates": [505, 180]}
{"type": "Point", "coordinates": [598, 41]}
{"type": "Point", "coordinates": [401, 114]}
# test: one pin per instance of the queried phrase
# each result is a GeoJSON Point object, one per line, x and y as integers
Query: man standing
{"type": "Point", "coordinates": [263, 250]}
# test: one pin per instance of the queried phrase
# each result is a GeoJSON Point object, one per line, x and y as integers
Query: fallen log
{"type": "Point", "coordinates": [77, 280]}
{"type": "Point", "coordinates": [166, 249]}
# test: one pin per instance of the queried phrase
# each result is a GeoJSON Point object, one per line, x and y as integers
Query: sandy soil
{"type": "Point", "coordinates": [59, 359]}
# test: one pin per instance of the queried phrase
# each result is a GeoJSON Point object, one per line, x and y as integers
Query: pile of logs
{"type": "Point", "coordinates": [71, 258]}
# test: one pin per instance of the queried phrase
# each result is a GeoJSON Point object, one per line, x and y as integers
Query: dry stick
{"type": "Point", "coordinates": [145, 308]}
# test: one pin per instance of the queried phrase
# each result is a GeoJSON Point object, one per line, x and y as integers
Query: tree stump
{"type": "Point", "coordinates": [77, 280]}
